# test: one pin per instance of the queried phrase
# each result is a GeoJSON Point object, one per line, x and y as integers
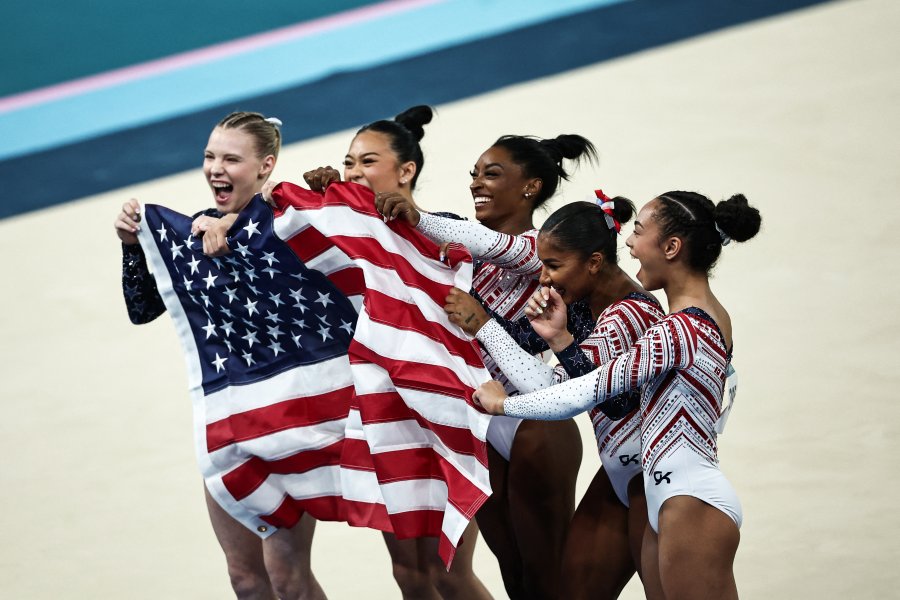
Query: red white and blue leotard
{"type": "Point", "coordinates": [681, 363]}
{"type": "Point", "coordinates": [617, 328]}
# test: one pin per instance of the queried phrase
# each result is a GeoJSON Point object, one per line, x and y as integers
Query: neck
{"type": "Point", "coordinates": [512, 226]}
{"type": "Point", "coordinates": [613, 284]}
{"type": "Point", "coordinates": [688, 288]}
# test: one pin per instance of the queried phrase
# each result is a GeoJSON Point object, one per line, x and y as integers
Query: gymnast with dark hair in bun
{"type": "Point", "coordinates": [681, 365]}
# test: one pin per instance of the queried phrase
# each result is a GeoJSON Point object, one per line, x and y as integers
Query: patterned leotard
{"type": "Point", "coordinates": [617, 328]}
{"type": "Point", "coordinates": [681, 364]}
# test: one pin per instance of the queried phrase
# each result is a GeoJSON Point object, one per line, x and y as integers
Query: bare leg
{"type": "Point", "coordinates": [243, 554]}
{"type": "Point", "coordinates": [637, 519]}
{"type": "Point", "coordinates": [597, 561]}
{"type": "Point", "coordinates": [287, 557]}
{"type": "Point", "coordinates": [410, 574]}
{"type": "Point", "coordinates": [460, 582]}
{"type": "Point", "coordinates": [650, 565]}
{"type": "Point", "coordinates": [496, 527]}
{"type": "Point", "coordinates": [542, 473]}
{"type": "Point", "coordinates": [697, 544]}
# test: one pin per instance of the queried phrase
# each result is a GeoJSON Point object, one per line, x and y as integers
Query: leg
{"type": "Point", "coordinates": [597, 561]}
{"type": "Point", "coordinates": [496, 527]}
{"type": "Point", "coordinates": [637, 519]}
{"type": "Point", "coordinates": [243, 554]}
{"type": "Point", "coordinates": [460, 582]}
{"type": "Point", "coordinates": [697, 544]}
{"type": "Point", "coordinates": [287, 556]}
{"type": "Point", "coordinates": [410, 574]}
{"type": "Point", "coordinates": [542, 473]}
{"type": "Point", "coordinates": [650, 565]}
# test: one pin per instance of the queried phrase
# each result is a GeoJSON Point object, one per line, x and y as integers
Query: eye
{"type": "Point", "coordinates": [473, 174]}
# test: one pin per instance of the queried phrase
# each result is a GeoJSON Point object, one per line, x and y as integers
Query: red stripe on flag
{"type": "Point", "coordinates": [387, 407]}
{"type": "Point", "coordinates": [296, 412]}
{"type": "Point", "coordinates": [246, 478]}
{"type": "Point", "coordinates": [390, 311]}
{"type": "Point", "coordinates": [350, 281]}
{"type": "Point", "coordinates": [435, 379]}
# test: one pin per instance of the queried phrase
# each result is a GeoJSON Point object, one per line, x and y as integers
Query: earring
{"type": "Point", "coordinates": [402, 182]}
{"type": "Point", "coordinates": [528, 195]}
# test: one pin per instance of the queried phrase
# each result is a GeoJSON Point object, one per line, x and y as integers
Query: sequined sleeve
{"type": "Point", "coordinates": [515, 253]}
{"type": "Point", "coordinates": [667, 345]}
{"type": "Point", "coordinates": [579, 322]}
{"type": "Point", "coordinates": [525, 372]}
{"type": "Point", "coordinates": [142, 299]}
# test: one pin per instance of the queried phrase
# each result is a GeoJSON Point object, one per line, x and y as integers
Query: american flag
{"type": "Point", "coordinates": [265, 339]}
{"type": "Point", "coordinates": [299, 405]}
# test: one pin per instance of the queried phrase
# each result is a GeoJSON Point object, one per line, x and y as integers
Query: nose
{"type": "Point", "coordinates": [352, 173]}
{"type": "Point", "coordinates": [544, 279]}
{"type": "Point", "coordinates": [476, 183]}
{"type": "Point", "coordinates": [215, 167]}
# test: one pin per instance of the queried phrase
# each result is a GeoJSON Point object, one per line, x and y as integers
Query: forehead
{"type": "Point", "coordinates": [548, 248]}
{"type": "Point", "coordinates": [230, 141]}
{"type": "Point", "coordinates": [370, 141]}
{"type": "Point", "coordinates": [496, 155]}
{"type": "Point", "coordinates": [647, 212]}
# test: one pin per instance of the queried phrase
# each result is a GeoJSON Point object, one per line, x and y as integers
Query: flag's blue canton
{"type": "Point", "coordinates": [257, 311]}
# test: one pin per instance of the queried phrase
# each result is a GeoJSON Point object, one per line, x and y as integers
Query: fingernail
{"type": "Point", "coordinates": [441, 257]}
{"type": "Point", "coordinates": [539, 311]}
{"type": "Point", "coordinates": [544, 304]}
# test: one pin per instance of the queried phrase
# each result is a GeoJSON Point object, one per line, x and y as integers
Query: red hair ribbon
{"type": "Point", "coordinates": [607, 206]}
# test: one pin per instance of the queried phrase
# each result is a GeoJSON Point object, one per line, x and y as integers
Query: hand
{"type": "Point", "coordinates": [214, 232]}
{"type": "Point", "coordinates": [465, 311]}
{"type": "Point", "coordinates": [546, 312]}
{"type": "Point", "coordinates": [392, 205]}
{"type": "Point", "coordinates": [266, 191]}
{"type": "Point", "coordinates": [128, 222]}
{"type": "Point", "coordinates": [319, 179]}
{"type": "Point", "coordinates": [490, 396]}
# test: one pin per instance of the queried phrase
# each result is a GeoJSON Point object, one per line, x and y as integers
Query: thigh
{"type": "Point", "coordinates": [697, 545]}
{"type": "Point", "coordinates": [242, 547]}
{"type": "Point", "coordinates": [597, 560]}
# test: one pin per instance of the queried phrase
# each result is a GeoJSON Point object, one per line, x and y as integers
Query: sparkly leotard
{"type": "Point", "coordinates": [617, 328]}
{"type": "Point", "coordinates": [681, 363]}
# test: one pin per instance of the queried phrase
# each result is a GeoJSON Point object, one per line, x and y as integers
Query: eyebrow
{"type": "Point", "coordinates": [498, 165]}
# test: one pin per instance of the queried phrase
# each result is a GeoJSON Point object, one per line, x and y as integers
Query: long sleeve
{"type": "Point", "coordinates": [667, 345]}
{"type": "Point", "coordinates": [524, 371]}
{"type": "Point", "coordinates": [142, 298]}
{"type": "Point", "coordinates": [517, 254]}
{"type": "Point", "coordinates": [579, 322]}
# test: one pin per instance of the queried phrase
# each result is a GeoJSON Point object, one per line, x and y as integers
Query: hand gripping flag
{"type": "Point", "coordinates": [265, 339]}
{"type": "Point", "coordinates": [414, 372]}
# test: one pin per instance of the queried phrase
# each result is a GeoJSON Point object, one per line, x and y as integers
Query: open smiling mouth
{"type": "Point", "coordinates": [481, 201]}
{"type": "Point", "coordinates": [222, 190]}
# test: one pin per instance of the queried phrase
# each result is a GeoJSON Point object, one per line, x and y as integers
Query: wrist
{"type": "Point", "coordinates": [560, 342]}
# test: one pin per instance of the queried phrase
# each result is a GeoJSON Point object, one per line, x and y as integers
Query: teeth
{"type": "Point", "coordinates": [481, 200]}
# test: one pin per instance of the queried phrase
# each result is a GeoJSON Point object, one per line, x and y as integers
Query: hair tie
{"type": "Point", "coordinates": [274, 121]}
{"type": "Point", "coordinates": [723, 236]}
{"type": "Point", "coordinates": [608, 207]}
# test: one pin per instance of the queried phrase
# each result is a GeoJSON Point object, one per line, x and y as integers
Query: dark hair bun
{"type": "Point", "coordinates": [737, 218]}
{"type": "Point", "coordinates": [623, 209]}
{"type": "Point", "coordinates": [415, 119]}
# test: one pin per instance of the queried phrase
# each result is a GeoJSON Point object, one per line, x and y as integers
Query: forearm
{"type": "Point", "coordinates": [524, 371]}
{"type": "Point", "coordinates": [142, 299]}
{"type": "Point", "coordinates": [514, 253]}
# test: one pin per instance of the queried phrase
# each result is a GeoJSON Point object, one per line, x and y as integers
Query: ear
{"type": "Point", "coordinates": [265, 169]}
{"type": "Point", "coordinates": [407, 172]}
{"type": "Point", "coordinates": [533, 188]}
{"type": "Point", "coordinates": [595, 263]}
{"type": "Point", "coordinates": [672, 248]}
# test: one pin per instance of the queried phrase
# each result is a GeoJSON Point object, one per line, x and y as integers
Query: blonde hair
{"type": "Point", "coordinates": [264, 130]}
